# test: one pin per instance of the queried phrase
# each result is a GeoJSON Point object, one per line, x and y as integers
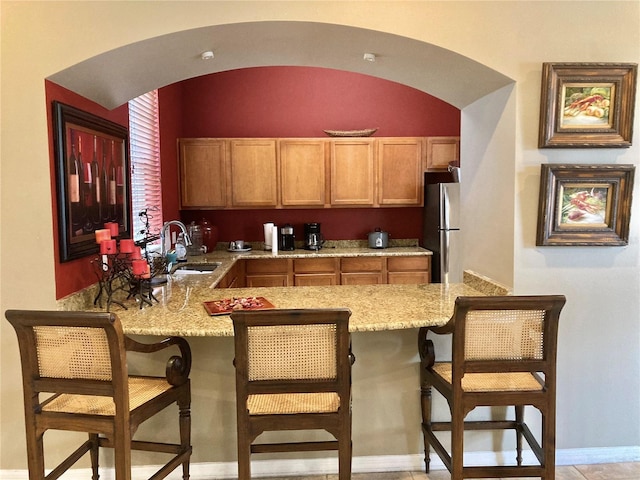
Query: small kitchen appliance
{"type": "Point", "coordinates": [313, 239]}
{"type": "Point", "coordinates": [287, 238]}
{"type": "Point", "coordinates": [378, 239]}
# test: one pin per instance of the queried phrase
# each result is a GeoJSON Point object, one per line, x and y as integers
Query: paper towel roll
{"type": "Point", "coordinates": [268, 235]}
{"type": "Point", "coordinates": [274, 240]}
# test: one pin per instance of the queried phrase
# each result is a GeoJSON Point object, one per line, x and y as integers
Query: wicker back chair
{"type": "Point", "coordinates": [80, 358]}
{"type": "Point", "coordinates": [503, 353]}
{"type": "Point", "coordinates": [293, 372]}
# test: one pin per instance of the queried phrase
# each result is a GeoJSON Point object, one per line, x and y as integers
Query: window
{"type": "Point", "coordinates": [146, 188]}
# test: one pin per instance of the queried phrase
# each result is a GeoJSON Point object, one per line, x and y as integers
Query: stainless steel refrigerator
{"type": "Point", "coordinates": [441, 231]}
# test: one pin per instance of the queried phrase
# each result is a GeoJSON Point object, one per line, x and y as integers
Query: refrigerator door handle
{"type": "Point", "coordinates": [445, 256]}
{"type": "Point", "coordinates": [445, 210]}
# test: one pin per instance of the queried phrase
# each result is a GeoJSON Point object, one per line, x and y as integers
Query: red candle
{"type": "Point", "coordinates": [127, 245]}
{"type": "Point", "coordinates": [136, 254]}
{"type": "Point", "coordinates": [139, 267]}
{"type": "Point", "coordinates": [102, 235]}
{"type": "Point", "coordinates": [108, 246]}
{"type": "Point", "coordinates": [113, 228]}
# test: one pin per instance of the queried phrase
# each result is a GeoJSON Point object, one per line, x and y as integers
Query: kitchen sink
{"type": "Point", "coordinates": [189, 267]}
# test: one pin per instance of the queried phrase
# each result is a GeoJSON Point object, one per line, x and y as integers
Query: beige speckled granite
{"type": "Point", "coordinates": [180, 310]}
{"type": "Point", "coordinates": [83, 299]}
{"type": "Point", "coordinates": [484, 284]}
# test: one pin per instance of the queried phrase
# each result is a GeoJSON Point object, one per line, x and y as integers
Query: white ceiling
{"type": "Point", "coordinates": [114, 77]}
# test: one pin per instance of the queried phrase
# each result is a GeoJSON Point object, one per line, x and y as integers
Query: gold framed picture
{"type": "Point", "coordinates": [586, 105]}
{"type": "Point", "coordinates": [584, 204]}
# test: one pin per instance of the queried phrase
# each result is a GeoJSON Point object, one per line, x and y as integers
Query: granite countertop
{"type": "Point", "coordinates": [179, 309]}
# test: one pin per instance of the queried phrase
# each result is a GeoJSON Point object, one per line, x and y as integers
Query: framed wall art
{"type": "Point", "coordinates": [584, 204]}
{"type": "Point", "coordinates": [587, 105]}
{"type": "Point", "coordinates": [92, 175]}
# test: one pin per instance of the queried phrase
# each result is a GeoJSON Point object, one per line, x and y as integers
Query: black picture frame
{"type": "Point", "coordinates": [84, 202]}
{"type": "Point", "coordinates": [583, 205]}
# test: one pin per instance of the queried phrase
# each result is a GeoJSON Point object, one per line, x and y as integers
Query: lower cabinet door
{"type": "Point", "coordinates": [362, 278]}
{"type": "Point", "coordinates": [267, 280]}
{"type": "Point", "coordinates": [314, 279]}
{"type": "Point", "coordinates": [408, 278]}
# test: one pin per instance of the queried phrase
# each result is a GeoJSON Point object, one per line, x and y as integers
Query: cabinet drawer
{"type": "Point", "coordinates": [362, 264]}
{"type": "Point", "coordinates": [408, 264]}
{"type": "Point", "coordinates": [278, 265]}
{"type": "Point", "coordinates": [315, 265]}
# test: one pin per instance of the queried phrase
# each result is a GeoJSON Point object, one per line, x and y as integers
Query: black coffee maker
{"type": "Point", "coordinates": [287, 238]}
{"type": "Point", "coordinates": [313, 239]}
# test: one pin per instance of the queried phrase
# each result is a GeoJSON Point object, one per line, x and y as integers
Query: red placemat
{"type": "Point", "coordinates": [228, 305]}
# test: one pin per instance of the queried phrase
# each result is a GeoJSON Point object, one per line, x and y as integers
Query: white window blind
{"type": "Point", "coordinates": [144, 139]}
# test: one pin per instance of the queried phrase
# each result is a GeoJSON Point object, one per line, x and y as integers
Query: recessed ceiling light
{"type": "Point", "coordinates": [208, 55]}
{"type": "Point", "coordinates": [370, 57]}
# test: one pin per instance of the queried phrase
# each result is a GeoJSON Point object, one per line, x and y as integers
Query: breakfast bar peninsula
{"type": "Point", "coordinates": [179, 307]}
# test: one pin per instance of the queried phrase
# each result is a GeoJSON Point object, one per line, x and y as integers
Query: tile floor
{"type": "Point", "coordinates": [605, 471]}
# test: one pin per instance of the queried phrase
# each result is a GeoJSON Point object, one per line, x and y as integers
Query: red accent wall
{"type": "Point", "coordinates": [76, 274]}
{"type": "Point", "coordinates": [170, 107]}
{"type": "Point", "coordinates": [302, 102]}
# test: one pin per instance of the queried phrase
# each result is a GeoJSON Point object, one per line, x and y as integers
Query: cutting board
{"type": "Point", "coordinates": [228, 305]}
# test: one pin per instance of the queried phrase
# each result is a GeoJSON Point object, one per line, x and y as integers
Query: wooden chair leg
{"type": "Point", "coordinates": [344, 454]}
{"type": "Point", "coordinates": [549, 444]}
{"type": "Point", "coordinates": [35, 455]}
{"type": "Point", "coordinates": [244, 457]}
{"type": "Point", "coordinates": [457, 442]}
{"type": "Point", "coordinates": [184, 407]}
{"type": "Point", "coordinates": [94, 454]}
{"type": "Point", "coordinates": [519, 422]}
{"type": "Point", "coordinates": [425, 402]}
{"type": "Point", "coordinates": [122, 454]}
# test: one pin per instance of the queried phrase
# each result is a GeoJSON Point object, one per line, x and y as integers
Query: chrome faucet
{"type": "Point", "coordinates": [165, 228]}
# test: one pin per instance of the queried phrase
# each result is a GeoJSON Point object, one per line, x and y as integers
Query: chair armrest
{"type": "Point", "coordinates": [178, 367]}
{"type": "Point", "coordinates": [425, 348]}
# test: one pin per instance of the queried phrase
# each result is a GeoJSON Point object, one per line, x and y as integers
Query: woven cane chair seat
{"type": "Point", "coordinates": [293, 403]}
{"type": "Point", "coordinates": [491, 382]}
{"type": "Point", "coordinates": [141, 391]}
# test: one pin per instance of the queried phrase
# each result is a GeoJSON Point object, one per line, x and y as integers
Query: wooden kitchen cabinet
{"type": "Point", "coordinates": [316, 271]}
{"type": "Point", "coordinates": [362, 270]}
{"type": "Point", "coordinates": [234, 278]}
{"type": "Point", "coordinates": [303, 172]}
{"type": "Point", "coordinates": [203, 173]}
{"type": "Point", "coordinates": [408, 270]}
{"type": "Point", "coordinates": [253, 173]}
{"type": "Point", "coordinates": [400, 171]}
{"type": "Point", "coordinates": [442, 151]}
{"type": "Point", "coordinates": [274, 272]}
{"type": "Point", "coordinates": [352, 172]}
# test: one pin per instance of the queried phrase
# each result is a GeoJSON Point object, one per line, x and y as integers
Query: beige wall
{"type": "Point", "coordinates": [599, 371]}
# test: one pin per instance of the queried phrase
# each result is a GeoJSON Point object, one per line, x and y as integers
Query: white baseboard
{"type": "Point", "coordinates": [321, 466]}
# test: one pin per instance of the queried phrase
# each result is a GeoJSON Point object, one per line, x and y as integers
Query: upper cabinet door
{"type": "Point", "coordinates": [353, 172]}
{"type": "Point", "coordinates": [303, 173]}
{"type": "Point", "coordinates": [400, 170]}
{"type": "Point", "coordinates": [442, 151]}
{"type": "Point", "coordinates": [202, 173]}
{"type": "Point", "coordinates": [254, 173]}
